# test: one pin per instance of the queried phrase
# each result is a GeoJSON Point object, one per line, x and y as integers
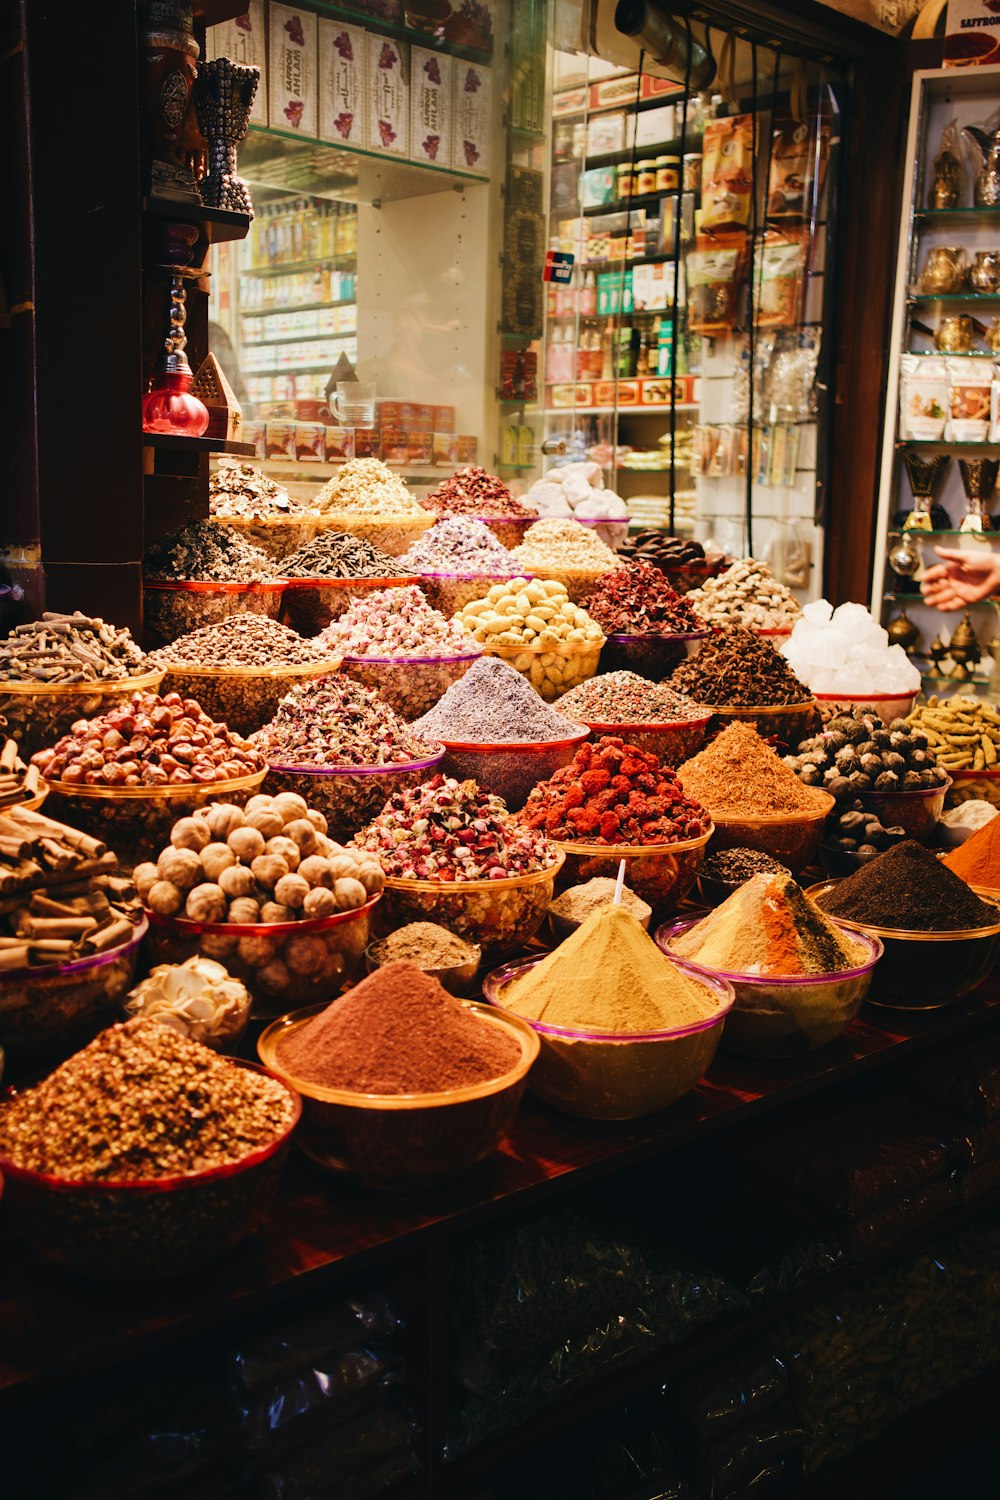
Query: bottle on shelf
{"type": "Point", "coordinates": [588, 295]}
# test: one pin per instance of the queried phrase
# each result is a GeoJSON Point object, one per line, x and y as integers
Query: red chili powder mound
{"type": "Point", "coordinates": [397, 1032]}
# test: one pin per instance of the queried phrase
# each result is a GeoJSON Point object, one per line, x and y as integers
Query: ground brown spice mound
{"type": "Point", "coordinates": [738, 774]}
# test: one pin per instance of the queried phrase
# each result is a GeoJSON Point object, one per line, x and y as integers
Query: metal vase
{"type": "Point", "coordinates": [223, 98]}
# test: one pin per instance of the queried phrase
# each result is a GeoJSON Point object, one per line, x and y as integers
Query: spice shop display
{"type": "Point", "coordinates": [325, 576]}
{"type": "Point", "coordinates": [344, 750]}
{"type": "Point", "coordinates": [367, 499]}
{"type": "Point", "coordinates": [110, 1170]}
{"type": "Point", "coordinates": [649, 715]}
{"type": "Point", "coordinates": [534, 625]}
{"type": "Point", "coordinates": [845, 657]}
{"type": "Point", "coordinates": [199, 998]}
{"type": "Point", "coordinates": [963, 733]}
{"type": "Point", "coordinates": [564, 551]}
{"type": "Point", "coordinates": [624, 1031]}
{"type": "Point", "coordinates": [682, 559]}
{"type": "Point", "coordinates": [977, 859]}
{"type": "Point", "coordinates": [452, 854]}
{"type": "Point", "coordinates": [575, 904]}
{"type": "Point", "coordinates": [725, 870]}
{"type": "Point", "coordinates": [748, 594]}
{"type": "Point", "coordinates": [458, 560]}
{"type": "Point", "coordinates": [200, 574]}
{"type": "Point", "coordinates": [205, 551]}
{"type": "Point", "coordinates": [497, 731]}
{"type": "Point", "coordinates": [65, 667]}
{"type": "Point", "coordinates": [649, 627]}
{"type": "Point", "coordinates": [736, 669]}
{"type": "Point", "coordinates": [474, 492]}
{"type": "Point", "coordinates": [449, 959]}
{"type": "Point", "coordinates": [243, 498]}
{"type": "Point", "coordinates": [404, 1085]}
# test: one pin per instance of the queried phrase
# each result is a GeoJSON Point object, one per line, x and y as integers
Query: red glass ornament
{"type": "Point", "coordinates": [168, 406]}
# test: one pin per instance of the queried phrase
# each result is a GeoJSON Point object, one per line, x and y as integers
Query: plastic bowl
{"type": "Point", "coordinates": [578, 582]}
{"type": "Point", "coordinates": [840, 862]}
{"type": "Point", "coordinates": [134, 1231]}
{"type": "Point", "coordinates": [969, 786]}
{"type": "Point", "coordinates": [772, 632]}
{"type": "Point", "coordinates": [925, 970]}
{"type": "Point", "coordinates": [350, 796]}
{"type": "Point", "coordinates": [500, 915]}
{"type": "Point", "coordinates": [400, 1142]}
{"type": "Point", "coordinates": [619, 1076]}
{"type": "Point", "coordinates": [553, 672]}
{"type": "Point", "coordinates": [450, 592]}
{"type": "Point", "coordinates": [457, 979]}
{"type": "Point", "coordinates": [651, 655]}
{"type": "Point", "coordinates": [509, 770]}
{"type": "Point", "coordinates": [790, 838]}
{"type": "Point", "coordinates": [244, 698]}
{"type": "Point", "coordinates": [775, 1016]}
{"type": "Point", "coordinates": [392, 535]}
{"type": "Point", "coordinates": [688, 576]}
{"type": "Point", "coordinates": [172, 608]}
{"type": "Point", "coordinates": [132, 820]}
{"type": "Point", "coordinates": [410, 684]}
{"type": "Point", "coordinates": [48, 1012]}
{"type": "Point", "coordinates": [917, 811]}
{"type": "Point", "coordinates": [277, 536]}
{"type": "Point", "coordinates": [612, 532]}
{"type": "Point", "coordinates": [673, 743]}
{"type": "Point", "coordinates": [281, 963]}
{"type": "Point", "coordinates": [39, 713]}
{"type": "Point", "coordinates": [787, 723]}
{"type": "Point", "coordinates": [888, 706]}
{"type": "Point", "coordinates": [661, 874]}
{"type": "Point", "coordinates": [309, 604]}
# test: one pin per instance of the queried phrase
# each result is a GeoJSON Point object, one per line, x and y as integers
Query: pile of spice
{"type": "Point", "coordinates": [241, 491]}
{"type": "Point", "coordinates": [738, 774]}
{"type": "Point", "coordinates": [458, 544]}
{"type": "Point", "coordinates": [453, 830]}
{"type": "Point", "coordinates": [580, 901]}
{"type": "Point", "coordinates": [651, 545]}
{"type": "Point", "coordinates": [769, 926]}
{"type": "Point", "coordinates": [609, 976]}
{"type": "Point", "coordinates": [427, 945]}
{"type": "Point", "coordinates": [529, 613]}
{"type": "Point", "coordinates": [738, 669]}
{"type": "Point", "coordinates": [143, 1102]}
{"type": "Point", "coordinates": [853, 829]}
{"type": "Point", "coordinates": [492, 705]}
{"type": "Point", "coordinates": [206, 551]}
{"type": "Point", "coordinates": [909, 889]}
{"type": "Point", "coordinates": [627, 698]}
{"type": "Point", "coordinates": [397, 1032]}
{"type": "Point", "coordinates": [613, 793]}
{"type": "Point", "coordinates": [473, 491]}
{"type": "Point", "coordinates": [636, 599]}
{"type": "Point", "coordinates": [963, 732]}
{"type": "Point", "coordinates": [367, 487]}
{"type": "Point", "coordinates": [560, 545]}
{"type": "Point", "coordinates": [149, 741]}
{"type": "Point", "coordinates": [337, 554]}
{"type": "Point", "coordinates": [735, 866]}
{"type": "Point", "coordinates": [857, 752]}
{"type": "Point", "coordinates": [395, 622]}
{"type": "Point", "coordinates": [332, 721]}
{"type": "Point", "coordinates": [746, 594]}
{"type": "Point", "coordinates": [846, 650]}
{"type": "Point", "coordinates": [242, 641]}
{"type": "Point", "coordinates": [18, 782]}
{"type": "Point", "coordinates": [70, 648]}
{"type": "Point", "coordinates": [199, 998]}
{"type": "Point", "coordinates": [977, 860]}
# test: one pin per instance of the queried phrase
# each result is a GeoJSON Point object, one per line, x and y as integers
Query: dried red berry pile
{"type": "Point", "coordinates": [636, 599]}
{"type": "Point", "coordinates": [613, 793]}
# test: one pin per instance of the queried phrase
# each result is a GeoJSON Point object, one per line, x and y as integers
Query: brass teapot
{"type": "Point", "coordinates": [944, 270]}
{"type": "Point", "coordinates": [986, 191]}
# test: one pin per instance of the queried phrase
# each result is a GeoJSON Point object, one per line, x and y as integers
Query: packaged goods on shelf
{"type": "Point", "coordinates": [293, 76]}
{"type": "Point", "coordinates": [343, 83]}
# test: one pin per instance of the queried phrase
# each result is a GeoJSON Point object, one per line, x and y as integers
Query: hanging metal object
{"type": "Point", "coordinates": [667, 42]}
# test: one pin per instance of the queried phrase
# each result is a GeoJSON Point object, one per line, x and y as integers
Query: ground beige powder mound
{"type": "Point", "coordinates": [769, 926]}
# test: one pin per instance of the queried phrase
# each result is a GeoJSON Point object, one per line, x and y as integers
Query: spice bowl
{"type": "Point", "coordinates": [579, 583]}
{"type": "Point", "coordinates": [139, 1231]}
{"type": "Point", "coordinates": [276, 536]}
{"type": "Point", "coordinates": [350, 796]}
{"type": "Point", "coordinates": [688, 576]}
{"type": "Point", "coordinates": [925, 970]}
{"type": "Point", "coordinates": [281, 963]}
{"type": "Point", "coordinates": [562, 928]}
{"type": "Point", "coordinates": [554, 671]}
{"type": "Point", "coordinates": [969, 786]}
{"type": "Point", "coordinates": [787, 723]}
{"type": "Point", "coordinates": [46, 1013]}
{"type": "Point", "coordinates": [392, 535]}
{"type": "Point", "coordinates": [651, 655]}
{"type": "Point", "coordinates": [458, 979]}
{"type": "Point", "coordinates": [659, 874]}
{"type": "Point", "coordinates": [500, 915]}
{"type": "Point", "coordinates": [309, 604]}
{"type": "Point", "coordinates": [618, 1075]}
{"type": "Point", "coordinates": [508, 530]}
{"type": "Point", "coordinates": [916, 811]}
{"type": "Point", "coordinates": [839, 862]}
{"type": "Point", "coordinates": [888, 706]}
{"type": "Point", "coordinates": [174, 607]}
{"type": "Point", "coordinates": [410, 684]}
{"type": "Point", "coordinates": [244, 698]}
{"type": "Point", "coordinates": [672, 743]}
{"type": "Point", "coordinates": [450, 592]}
{"type": "Point", "coordinates": [786, 1016]}
{"type": "Point", "coordinates": [39, 713]}
{"type": "Point", "coordinates": [791, 838]}
{"type": "Point", "coordinates": [401, 1142]}
{"type": "Point", "coordinates": [508, 770]}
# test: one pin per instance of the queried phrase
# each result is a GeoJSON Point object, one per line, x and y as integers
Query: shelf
{"type": "Point", "coordinates": [939, 354]}
{"type": "Point", "coordinates": [218, 225]}
{"type": "Point", "coordinates": [648, 410]}
{"type": "Point", "coordinates": [264, 312]}
{"type": "Point", "coordinates": [285, 160]}
{"type": "Point", "coordinates": [292, 338]}
{"type": "Point", "coordinates": [692, 147]}
{"type": "Point", "coordinates": [958, 682]}
{"type": "Point", "coordinates": [957, 216]}
{"type": "Point", "coordinates": [929, 536]}
{"type": "Point", "coordinates": [324, 369]}
{"type": "Point", "coordinates": [944, 443]}
{"type": "Point", "coordinates": [925, 299]}
{"type": "Point", "coordinates": [634, 200]}
{"type": "Point", "coordinates": [175, 444]}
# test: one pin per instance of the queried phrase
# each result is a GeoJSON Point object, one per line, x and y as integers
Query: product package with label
{"type": "Point", "coordinates": [969, 393]}
{"type": "Point", "coordinates": [924, 397]}
{"type": "Point", "coordinates": [727, 173]}
{"type": "Point", "coordinates": [473, 118]}
{"type": "Point", "coordinates": [431, 108]}
{"type": "Point", "coordinates": [341, 83]}
{"type": "Point", "coordinates": [780, 280]}
{"type": "Point", "coordinates": [715, 273]}
{"type": "Point", "coordinates": [387, 70]}
{"type": "Point", "coordinates": [293, 70]}
{"type": "Point", "coordinates": [244, 41]}
{"type": "Point", "coordinates": [800, 150]}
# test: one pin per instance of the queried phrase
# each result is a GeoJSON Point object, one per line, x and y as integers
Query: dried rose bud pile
{"type": "Point", "coordinates": [636, 599]}
{"type": "Point", "coordinates": [453, 830]}
{"type": "Point", "coordinates": [473, 491]}
{"type": "Point", "coordinates": [332, 721]}
{"type": "Point", "coordinates": [458, 544]}
{"type": "Point", "coordinates": [396, 622]}
{"type": "Point", "coordinates": [614, 793]}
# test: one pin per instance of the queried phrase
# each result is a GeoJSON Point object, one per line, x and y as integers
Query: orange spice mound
{"type": "Point", "coordinates": [738, 774]}
{"type": "Point", "coordinates": [977, 860]}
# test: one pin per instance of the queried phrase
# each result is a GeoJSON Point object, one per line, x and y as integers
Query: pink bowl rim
{"type": "Point", "coordinates": [665, 635]}
{"type": "Point", "coordinates": [214, 586]}
{"type": "Point", "coordinates": [491, 747]}
{"type": "Point", "coordinates": [389, 580]}
{"type": "Point", "coordinates": [865, 697]}
{"type": "Point", "coordinates": [87, 962]}
{"type": "Point", "coordinates": [676, 928]}
{"type": "Point", "coordinates": [913, 791]}
{"type": "Point", "coordinates": [498, 574]}
{"type": "Point", "coordinates": [399, 766]}
{"type": "Point", "coordinates": [410, 661]}
{"type": "Point", "coordinates": [643, 724]}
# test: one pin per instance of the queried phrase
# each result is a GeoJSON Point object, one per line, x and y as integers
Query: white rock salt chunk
{"type": "Point", "coordinates": [817, 610]}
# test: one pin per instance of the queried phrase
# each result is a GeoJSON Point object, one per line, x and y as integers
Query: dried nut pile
{"type": "Point", "coordinates": [746, 594]}
{"type": "Point", "coordinates": [332, 721]}
{"type": "Point", "coordinates": [242, 641]}
{"type": "Point", "coordinates": [206, 551]}
{"type": "Point", "coordinates": [199, 998]}
{"type": "Point", "coordinates": [268, 862]}
{"type": "Point", "coordinates": [552, 641]}
{"type": "Point", "coordinates": [856, 831]}
{"type": "Point", "coordinates": [447, 830]}
{"type": "Point", "coordinates": [559, 545]}
{"type": "Point", "coordinates": [149, 741]}
{"type": "Point", "coordinates": [367, 487]}
{"type": "Point", "coordinates": [473, 491]}
{"type": "Point", "coordinates": [70, 648]}
{"type": "Point", "coordinates": [735, 866]}
{"type": "Point", "coordinates": [963, 733]}
{"type": "Point", "coordinates": [240, 490]}
{"type": "Point", "coordinates": [738, 774]}
{"type": "Point", "coordinates": [576, 489]}
{"type": "Point", "coordinates": [492, 705]}
{"type": "Point", "coordinates": [140, 1103]}
{"type": "Point", "coordinates": [738, 669]}
{"type": "Point", "coordinates": [18, 782]}
{"type": "Point", "coordinates": [636, 599]}
{"type": "Point", "coordinates": [858, 753]}
{"type": "Point", "coordinates": [664, 552]}
{"type": "Point", "coordinates": [337, 554]}
{"type": "Point", "coordinates": [459, 544]}
{"type": "Point", "coordinates": [627, 698]}
{"type": "Point", "coordinates": [395, 622]}
{"type": "Point", "coordinates": [614, 793]}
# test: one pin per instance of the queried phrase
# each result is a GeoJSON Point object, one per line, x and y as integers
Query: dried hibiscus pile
{"type": "Point", "coordinates": [614, 793]}
{"type": "Point", "coordinates": [636, 599]}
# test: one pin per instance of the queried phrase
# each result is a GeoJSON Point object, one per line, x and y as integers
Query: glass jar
{"type": "Point", "coordinates": [667, 173]}
{"type": "Point", "coordinates": [624, 181]}
{"type": "Point", "coordinates": [645, 177]}
{"type": "Point", "coordinates": [692, 172]}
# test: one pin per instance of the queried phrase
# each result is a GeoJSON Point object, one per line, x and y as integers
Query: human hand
{"type": "Point", "coordinates": [963, 578]}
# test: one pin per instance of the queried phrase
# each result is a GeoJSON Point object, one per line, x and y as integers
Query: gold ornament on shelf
{"type": "Point", "coordinates": [964, 649]}
{"type": "Point", "coordinates": [902, 631]}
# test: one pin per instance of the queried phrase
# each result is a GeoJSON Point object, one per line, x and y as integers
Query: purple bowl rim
{"type": "Point", "coordinates": [773, 980]}
{"type": "Point", "coordinates": [913, 791]}
{"type": "Point", "coordinates": [666, 635]}
{"type": "Point", "coordinates": [87, 961]}
{"type": "Point", "coordinates": [392, 580]}
{"type": "Point", "coordinates": [411, 661]}
{"type": "Point", "coordinates": [487, 747]}
{"type": "Point", "coordinates": [476, 577]}
{"type": "Point", "coordinates": [399, 765]}
{"type": "Point", "coordinates": [506, 972]}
